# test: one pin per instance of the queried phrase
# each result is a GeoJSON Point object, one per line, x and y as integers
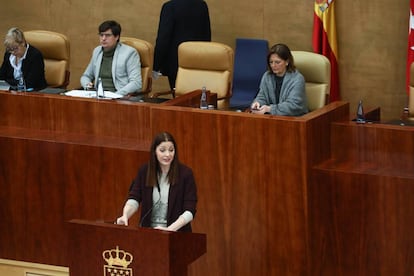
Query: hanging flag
{"type": "Point", "coordinates": [410, 53]}
{"type": "Point", "coordinates": [324, 40]}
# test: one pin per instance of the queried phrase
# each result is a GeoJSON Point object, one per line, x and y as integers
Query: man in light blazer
{"type": "Point", "coordinates": [118, 65]}
{"type": "Point", "coordinates": [180, 21]}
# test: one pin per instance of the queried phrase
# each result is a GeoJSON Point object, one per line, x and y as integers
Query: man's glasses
{"type": "Point", "coordinates": [106, 35]}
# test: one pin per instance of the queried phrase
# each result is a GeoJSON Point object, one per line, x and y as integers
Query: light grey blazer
{"type": "Point", "coordinates": [126, 69]}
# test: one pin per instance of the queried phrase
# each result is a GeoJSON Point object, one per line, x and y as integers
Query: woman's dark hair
{"type": "Point", "coordinates": [284, 53]}
{"type": "Point", "coordinates": [154, 168]}
{"type": "Point", "coordinates": [110, 24]}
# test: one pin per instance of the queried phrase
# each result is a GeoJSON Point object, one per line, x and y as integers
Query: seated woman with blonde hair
{"type": "Point", "coordinates": [22, 62]}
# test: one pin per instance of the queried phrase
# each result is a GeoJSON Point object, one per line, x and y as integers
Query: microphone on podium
{"type": "Point", "coordinates": [149, 211]}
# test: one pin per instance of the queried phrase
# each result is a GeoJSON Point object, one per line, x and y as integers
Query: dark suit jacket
{"type": "Point", "coordinates": [182, 196]}
{"type": "Point", "coordinates": [33, 68]}
{"type": "Point", "coordinates": [180, 20]}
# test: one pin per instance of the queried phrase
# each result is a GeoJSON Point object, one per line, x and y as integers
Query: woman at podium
{"type": "Point", "coordinates": [165, 189]}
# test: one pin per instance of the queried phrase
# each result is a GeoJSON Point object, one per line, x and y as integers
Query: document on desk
{"type": "Point", "coordinates": [92, 94]}
{"type": "Point", "coordinates": [4, 85]}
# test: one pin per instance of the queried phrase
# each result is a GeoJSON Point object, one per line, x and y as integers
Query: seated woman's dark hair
{"type": "Point", "coordinates": [284, 53]}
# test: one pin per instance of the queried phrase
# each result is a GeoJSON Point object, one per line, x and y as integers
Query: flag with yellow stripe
{"type": "Point", "coordinates": [324, 40]}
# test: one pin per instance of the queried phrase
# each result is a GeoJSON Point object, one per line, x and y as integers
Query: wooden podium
{"type": "Point", "coordinates": [97, 248]}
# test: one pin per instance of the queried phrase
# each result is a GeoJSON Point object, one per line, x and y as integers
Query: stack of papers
{"type": "Point", "coordinates": [92, 94]}
{"type": "Point", "coordinates": [4, 85]}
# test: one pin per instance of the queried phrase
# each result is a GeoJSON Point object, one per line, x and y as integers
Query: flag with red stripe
{"type": "Point", "coordinates": [324, 40]}
{"type": "Point", "coordinates": [410, 53]}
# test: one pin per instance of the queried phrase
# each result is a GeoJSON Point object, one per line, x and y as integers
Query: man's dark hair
{"type": "Point", "coordinates": [110, 24]}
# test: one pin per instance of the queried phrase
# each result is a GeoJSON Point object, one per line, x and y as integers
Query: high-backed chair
{"type": "Point", "coordinates": [146, 54]}
{"type": "Point", "coordinates": [55, 48]}
{"type": "Point", "coordinates": [208, 64]}
{"type": "Point", "coordinates": [250, 62]}
{"type": "Point", "coordinates": [316, 70]}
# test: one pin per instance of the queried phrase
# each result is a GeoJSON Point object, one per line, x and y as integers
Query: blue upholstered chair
{"type": "Point", "coordinates": [250, 62]}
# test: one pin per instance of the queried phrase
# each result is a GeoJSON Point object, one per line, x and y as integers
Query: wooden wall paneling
{"type": "Point", "coordinates": [13, 197]}
{"type": "Point", "coordinates": [49, 183]}
{"type": "Point", "coordinates": [31, 196]}
{"type": "Point", "coordinates": [363, 225]}
{"type": "Point", "coordinates": [379, 147]}
{"type": "Point", "coordinates": [103, 118]}
{"type": "Point", "coordinates": [111, 118]}
{"type": "Point", "coordinates": [98, 179]}
{"type": "Point", "coordinates": [11, 104]}
{"type": "Point", "coordinates": [318, 126]}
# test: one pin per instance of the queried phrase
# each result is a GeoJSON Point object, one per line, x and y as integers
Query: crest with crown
{"type": "Point", "coordinates": [323, 4]}
{"type": "Point", "coordinates": [116, 257]}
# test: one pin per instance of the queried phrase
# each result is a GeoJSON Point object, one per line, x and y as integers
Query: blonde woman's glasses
{"type": "Point", "coordinates": [12, 49]}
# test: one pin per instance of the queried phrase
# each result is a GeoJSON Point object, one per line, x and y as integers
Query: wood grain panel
{"type": "Point", "coordinates": [381, 148]}
{"type": "Point", "coordinates": [363, 226]}
{"type": "Point", "coordinates": [103, 118]}
{"type": "Point", "coordinates": [44, 184]}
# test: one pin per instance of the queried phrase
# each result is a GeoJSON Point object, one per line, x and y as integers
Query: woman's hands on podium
{"type": "Point", "coordinates": [175, 226]}
{"type": "Point", "coordinates": [162, 228]}
{"type": "Point", "coordinates": [130, 207]}
{"type": "Point", "coordinates": [122, 220]}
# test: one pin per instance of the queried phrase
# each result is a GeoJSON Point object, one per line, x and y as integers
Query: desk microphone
{"type": "Point", "coordinates": [152, 207]}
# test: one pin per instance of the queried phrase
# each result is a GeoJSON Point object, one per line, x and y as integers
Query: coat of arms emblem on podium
{"type": "Point", "coordinates": [117, 262]}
